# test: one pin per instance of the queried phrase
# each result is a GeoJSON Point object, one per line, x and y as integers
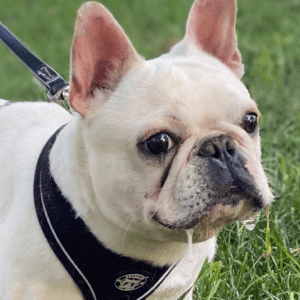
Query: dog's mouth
{"type": "Point", "coordinates": [216, 214]}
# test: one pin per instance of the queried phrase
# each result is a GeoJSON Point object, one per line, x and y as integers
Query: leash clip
{"type": "Point", "coordinates": [61, 95]}
{"type": "Point", "coordinates": [58, 89]}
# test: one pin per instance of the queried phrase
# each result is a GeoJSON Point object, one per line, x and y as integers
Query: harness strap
{"type": "Point", "coordinates": [98, 272]}
{"type": "Point", "coordinates": [54, 83]}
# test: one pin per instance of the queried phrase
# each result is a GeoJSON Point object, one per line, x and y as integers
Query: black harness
{"type": "Point", "coordinates": [98, 272]}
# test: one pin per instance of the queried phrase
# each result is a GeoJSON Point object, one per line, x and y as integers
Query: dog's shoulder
{"type": "Point", "coordinates": [23, 116]}
{"type": "Point", "coordinates": [26, 126]}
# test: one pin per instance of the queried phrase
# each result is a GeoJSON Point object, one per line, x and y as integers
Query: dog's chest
{"type": "Point", "coordinates": [184, 275]}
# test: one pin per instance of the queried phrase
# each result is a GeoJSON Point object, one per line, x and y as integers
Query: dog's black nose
{"type": "Point", "coordinates": [221, 147]}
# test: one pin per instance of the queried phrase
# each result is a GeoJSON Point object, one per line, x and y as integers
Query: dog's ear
{"type": "Point", "coordinates": [101, 55]}
{"type": "Point", "coordinates": [211, 28]}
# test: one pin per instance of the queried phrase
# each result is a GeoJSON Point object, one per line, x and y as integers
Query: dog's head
{"type": "Point", "coordinates": [172, 143]}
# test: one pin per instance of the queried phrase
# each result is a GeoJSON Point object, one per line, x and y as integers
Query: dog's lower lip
{"type": "Point", "coordinates": [157, 219]}
{"type": "Point", "coordinates": [179, 225]}
{"type": "Point", "coordinates": [256, 201]}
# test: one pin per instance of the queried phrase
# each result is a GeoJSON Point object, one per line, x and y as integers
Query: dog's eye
{"type": "Point", "coordinates": [158, 143]}
{"type": "Point", "coordinates": [250, 122]}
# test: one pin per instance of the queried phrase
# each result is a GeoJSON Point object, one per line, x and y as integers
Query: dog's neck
{"type": "Point", "coordinates": [69, 169]}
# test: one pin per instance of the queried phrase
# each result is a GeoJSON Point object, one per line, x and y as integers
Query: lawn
{"type": "Point", "coordinates": [269, 40]}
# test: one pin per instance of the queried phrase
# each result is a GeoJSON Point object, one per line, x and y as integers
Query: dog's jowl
{"type": "Point", "coordinates": [126, 198]}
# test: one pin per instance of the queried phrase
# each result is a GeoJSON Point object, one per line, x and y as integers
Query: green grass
{"type": "Point", "coordinates": [269, 39]}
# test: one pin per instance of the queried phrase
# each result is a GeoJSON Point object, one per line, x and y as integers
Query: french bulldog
{"type": "Point", "coordinates": [156, 158]}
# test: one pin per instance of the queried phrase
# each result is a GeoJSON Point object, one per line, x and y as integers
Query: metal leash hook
{"type": "Point", "coordinates": [62, 95]}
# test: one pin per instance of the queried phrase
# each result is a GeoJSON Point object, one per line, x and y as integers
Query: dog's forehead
{"type": "Point", "coordinates": [195, 78]}
{"type": "Point", "coordinates": [198, 88]}
{"type": "Point", "coordinates": [186, 94]}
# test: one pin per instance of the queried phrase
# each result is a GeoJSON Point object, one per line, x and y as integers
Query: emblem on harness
{"type": "Point", "coordinates": [130, 282]}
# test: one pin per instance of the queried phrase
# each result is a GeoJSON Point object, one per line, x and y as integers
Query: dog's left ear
{"type": "Point", "coordinates": [101, 55]}
{"type": "Point", "coordinates": [211, 28]}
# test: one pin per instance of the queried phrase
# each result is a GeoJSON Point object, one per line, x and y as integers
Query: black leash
{"type": "Point", "coordinates": [57, 88]}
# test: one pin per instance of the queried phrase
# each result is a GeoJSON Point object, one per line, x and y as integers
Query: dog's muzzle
{"type": "Point", "coordinates": [216, 177]}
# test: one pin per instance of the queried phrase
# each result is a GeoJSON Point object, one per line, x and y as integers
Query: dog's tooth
{"type": "Point", "coordinates": [250, 222]}
{"type": "Point", "coordinates": [190, 253]}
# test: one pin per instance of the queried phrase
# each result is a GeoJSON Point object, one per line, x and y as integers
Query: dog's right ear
{"type": "Point", "coordinates": [101, 56]}
{"type": "Point", "coordinates": [211, 28]}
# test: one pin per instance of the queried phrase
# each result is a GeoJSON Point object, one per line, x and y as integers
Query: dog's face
{"type": "Point", "coordinates": [172, 143]}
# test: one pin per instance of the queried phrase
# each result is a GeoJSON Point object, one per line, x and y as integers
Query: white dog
{"type": "Point", "coordinates": [156, 159]}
